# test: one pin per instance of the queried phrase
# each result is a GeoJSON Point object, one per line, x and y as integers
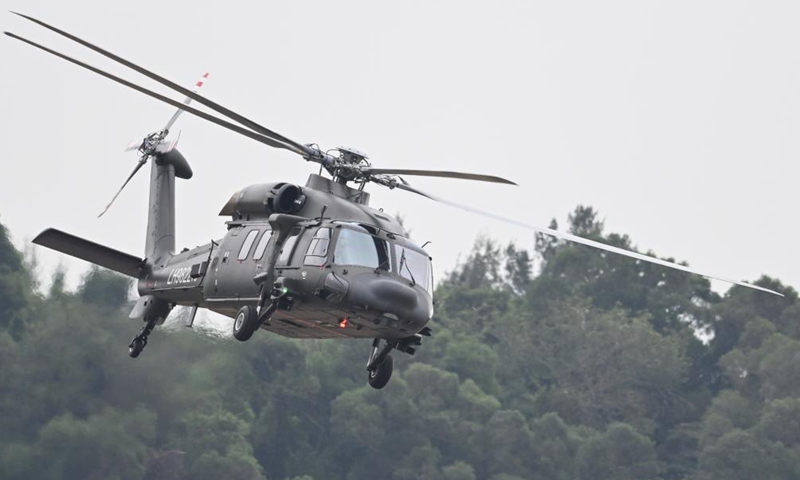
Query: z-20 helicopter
{"type": "Point", "coordinates": [305, 262]}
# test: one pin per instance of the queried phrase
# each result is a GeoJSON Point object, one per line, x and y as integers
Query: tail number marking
{"type": "Point", "coordinates": [180, 275]}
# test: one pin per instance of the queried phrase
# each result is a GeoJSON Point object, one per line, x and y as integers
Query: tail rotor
{"type": "Point", "coordinates": [154, 143]}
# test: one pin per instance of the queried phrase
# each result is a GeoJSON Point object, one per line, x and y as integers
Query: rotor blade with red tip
{"type": "Point", "coordinates": [186, 101]}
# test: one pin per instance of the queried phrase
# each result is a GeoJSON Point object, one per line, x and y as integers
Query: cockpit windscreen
{"type": "Point", "coordinates": [362, 249]}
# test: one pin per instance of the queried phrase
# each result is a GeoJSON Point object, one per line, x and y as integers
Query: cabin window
{"type": "Point", "coordinates": [247, 245]}
{"type": "Point", "coordinates": [362, 249]}
{"type": "Point", "coordinates": [317, 252]}
{"type": "Point", "coordinates": [262, 245]}
{"type": "Point", "coordinates": [288, 247]}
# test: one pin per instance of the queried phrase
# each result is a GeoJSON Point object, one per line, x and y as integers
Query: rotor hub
{"type": "Point", "coordinates": [352, 156]}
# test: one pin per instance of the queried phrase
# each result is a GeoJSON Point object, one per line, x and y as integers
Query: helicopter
{"type": "Point", "coordinates": [313, 261]}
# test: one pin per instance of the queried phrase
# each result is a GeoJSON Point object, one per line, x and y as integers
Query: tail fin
{"type": "Point", "coordinates": [90, 251]}
{"type": "Point", "coordinates": [160, 240]}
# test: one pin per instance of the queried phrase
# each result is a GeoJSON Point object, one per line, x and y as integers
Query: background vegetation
{"type": "Point", "coordinates": [590, 369]}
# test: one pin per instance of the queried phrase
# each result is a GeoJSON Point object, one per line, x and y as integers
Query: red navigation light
{"type": "Point", "coordinates": [343, 323]}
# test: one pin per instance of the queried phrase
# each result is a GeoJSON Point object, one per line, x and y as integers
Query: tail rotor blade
{"type": "Point", "coordinates": [169, 146]}
{"type": "Point", "coordinates": [186, 101]}
{"type": "Point", "coordinates": [162, 147]}
{"type": "Point", "coordinates": [133, 145]}
{"type": "Point", "coordinates": [135, 169]}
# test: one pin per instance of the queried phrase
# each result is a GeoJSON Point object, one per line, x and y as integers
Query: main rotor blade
{"type": "Point", "coordinates": [581, 240]}
{"type": "Point", "coordinates": [230, 126]}
{"type": "Point", "coordinates": [297, 147]}
{"type": "Point", "coordinates": [135, 169]}
{"type": "Point", "coordinates": [409, 188]}
{"type": "Point", "coordinates": [437, 173]}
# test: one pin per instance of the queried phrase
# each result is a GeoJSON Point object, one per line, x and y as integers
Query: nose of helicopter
{"type": "Point", "coordinates": [394, 298]}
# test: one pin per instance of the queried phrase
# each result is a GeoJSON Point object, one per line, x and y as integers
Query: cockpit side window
{"type": "Point", "coordinates": [414, 266]}
{"type": "Point", "coordinates": [317, 252]}
{"type": "Point", "coordinates": [262, 245]}
{"type": "Point", "coordinates": [384, 261]}
{"type": "Point", "coordinates": [247, 245]}
{"type": "Point", "coordinates": [362, 249]}
{"type": "Point", "coordinates": [288, 248]}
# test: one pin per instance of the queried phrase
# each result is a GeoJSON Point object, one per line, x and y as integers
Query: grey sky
{"type": "Point", "coordinates": [677, 120]}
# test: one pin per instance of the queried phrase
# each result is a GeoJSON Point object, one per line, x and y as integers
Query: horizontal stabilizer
{"type": "Point", "coordinates": [91, 252]}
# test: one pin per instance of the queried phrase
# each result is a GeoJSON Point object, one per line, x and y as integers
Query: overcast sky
{"type": "Point", "coordinates": [677, 120]}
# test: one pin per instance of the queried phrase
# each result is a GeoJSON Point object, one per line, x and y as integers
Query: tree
{"type": "Point", "coordinates": [743, 305]}
{"type": "Point", "coordinates": [216, 445]}
{"type": "Point", "coordinates": [458, 471]}
{"type": "Point", "coordinates": [104, 287]}
{"type": "Point", "coordinates": [590, 369]}
{"type": "Point", "coordinates": [555, 447]}
{"type": "Point", "coordinates": [599, 367]}
{"type": "Point", "coordinates": [738, 455]}
{"type": "Point", "coordinates": [508, 441]}
{"type": "Point", "coordinates": [780, 422]}
{"type": "Point", "coordinates": [15, 288]}
{"type": "Point", "coordinates": [110, 444]}
{"type": "Point", "coordinates": [618, 454]}
{"type": "Point", "coordinates": [470, 358]}
{"type": "Point", "coordinates": [583, 222]}
{"type": "Point", "coordinates": [481, 268]}
{"type": "Point", "coordinates": [518, 268]}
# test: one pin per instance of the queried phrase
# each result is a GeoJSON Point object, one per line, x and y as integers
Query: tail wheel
{"type": "Point", "coordinates": [136, 347]}
{"type": "Point", "coordinates": [380, 376]}
{"type": "Point", "coordinates": [245, 324]}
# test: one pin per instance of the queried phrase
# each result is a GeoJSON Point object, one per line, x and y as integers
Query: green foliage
{"type": "Point", "coordinates": [458, 471]}
{"type": "Point", "coordinates": [591, 368]}
{"type": "Point", "coordinates": [469, 358]}
{"type": "Point", "coordinates": [214, 465]}
{"type": "Point", "coordinates": [619, 453]}
{"type": "Point", "coordinates": [481, 268]}
{"type": "Point", "coordinates": [104, 288]}
{"type": "Point", "coordinates": [15, 287]}
{"type": "Point", "coordinates": [740, 455]}
{"type": "Point", "coordinates": [109, 444]}
{"type": "Point", "coordinates": [780, 422]}
{"type": "Point", "coordinates": [595, 368]}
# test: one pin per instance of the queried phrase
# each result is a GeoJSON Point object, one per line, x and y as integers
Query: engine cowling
{"type": "Point", "coordinates": [263, 200]}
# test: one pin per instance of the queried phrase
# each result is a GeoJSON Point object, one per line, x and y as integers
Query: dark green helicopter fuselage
{"type": "Point", "coordinates": [347, 269]}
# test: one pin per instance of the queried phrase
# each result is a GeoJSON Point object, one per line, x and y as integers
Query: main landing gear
{"type": "Point", "coordinates": [245, 324]}
{"type": "Point", "coordinates": [249, 319]}
{"type": "Point", "coordinates": [140, 340]}
{"type": "Point", "coordinates": [381, 365]}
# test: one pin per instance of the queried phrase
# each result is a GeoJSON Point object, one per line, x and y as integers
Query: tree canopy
{"type": "Point", "coordinates": [547, 361]}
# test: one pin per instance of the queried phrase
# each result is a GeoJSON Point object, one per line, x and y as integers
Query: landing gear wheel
{"type": "Point", "coordinates": [245, 324]}
{"type": "Point", "coordinates": [379, 377]}
{"type": "Point", "coordinates": [136, 347]}
{"type": "Point", "coordinates": [140, 340]}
